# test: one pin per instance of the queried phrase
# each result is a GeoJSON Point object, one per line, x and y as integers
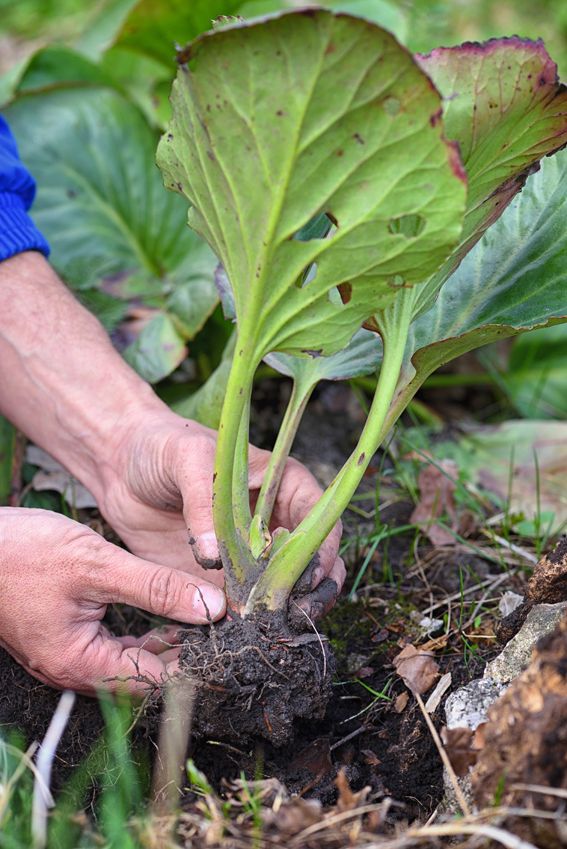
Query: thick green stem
{"type": "Point", "coordinates": [290, 561]}
{"type": "Point", "coordinates": [240, 490]}
{"type": "Point", "coordinates": [231, 472]}
{"type": "Point", "coordinates": [259, 532]}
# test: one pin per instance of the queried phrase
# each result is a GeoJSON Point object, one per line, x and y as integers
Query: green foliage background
{"type": "Point", "coordinates": [430, 23]}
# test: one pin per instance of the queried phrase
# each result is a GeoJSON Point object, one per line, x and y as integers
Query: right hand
{"type": "Point", "coordinates": [56, 579]}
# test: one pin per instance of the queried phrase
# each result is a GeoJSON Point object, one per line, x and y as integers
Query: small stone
{"type": "Point", "coordinates": [430, 626]}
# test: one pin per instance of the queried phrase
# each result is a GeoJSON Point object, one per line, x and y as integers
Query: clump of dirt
{"type": "Point", "coordinates": [254, 678]}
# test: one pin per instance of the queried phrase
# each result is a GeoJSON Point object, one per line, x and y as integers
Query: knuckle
{"type": "Point", "coordinates": [60, 669]}
{"type": "Point", "coordinates": [203, 445]}
{"type": "Point", "coordinates": [163, 591]}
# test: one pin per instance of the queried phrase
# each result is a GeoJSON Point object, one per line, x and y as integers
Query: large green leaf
{"type": "Point", "coordinates": [155, 27]}
{"type": "Point", "coordinates": [506, 109]}
{"type": "Point", "coordinates": [534, 375]}
{"type": "Point", "coordinates": [157, 350]}
{"type": "Point", "coordinates": [359, 358]}
{"type": "Point", "coordinates": [205, 404]}
{"type": "Point", "coordinates": [102, 206]}
{"type": "Point", "coordinates": [50, 67]}
{"type": "Point", "coordinates": [278, 121]}
{"type": "Point", "coordinates": [515, 279]}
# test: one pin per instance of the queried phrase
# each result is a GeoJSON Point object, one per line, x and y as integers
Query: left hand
{"type": "Point", "coordinates": [160, 497]}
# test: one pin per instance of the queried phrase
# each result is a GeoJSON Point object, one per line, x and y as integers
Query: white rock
{"type": "Point", "coordinates": [468, 706]}
{"type": "Point", "coordinates": [516, 655]}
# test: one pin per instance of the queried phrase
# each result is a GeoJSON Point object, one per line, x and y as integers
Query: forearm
{"type": "Point", "coordinates": [61, 382]}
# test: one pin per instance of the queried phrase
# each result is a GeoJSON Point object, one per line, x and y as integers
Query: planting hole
{"type": "Point", "coordinates": [409, 226]}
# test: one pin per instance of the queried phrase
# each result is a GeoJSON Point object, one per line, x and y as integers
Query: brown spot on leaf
{"type": "Point", "coordinates": [358, 138]}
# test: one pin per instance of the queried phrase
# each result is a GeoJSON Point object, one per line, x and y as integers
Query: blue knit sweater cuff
{"type": "Point", "coordinates": [18, 233]}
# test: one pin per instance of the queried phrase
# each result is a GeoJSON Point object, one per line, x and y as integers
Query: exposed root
{"type": "Point", "coordinates": [252, 683]}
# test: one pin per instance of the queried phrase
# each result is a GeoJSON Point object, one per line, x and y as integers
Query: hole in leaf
{"type": "Point", "coordinates": [308, 276]}
{"type": "Point", "coordinates": [409, 226]}
{"type": "Point", "coordinates": [345, 291]}
{"type": "Point", "coordinates": [317, 228]}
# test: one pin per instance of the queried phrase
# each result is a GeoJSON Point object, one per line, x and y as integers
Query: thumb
{"type": "Point", "coordinates": [194, 479]}
{"type": "Point", "coordinates": [161, 590]}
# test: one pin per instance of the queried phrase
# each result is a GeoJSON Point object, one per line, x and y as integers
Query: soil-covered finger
{"type": "Point", "coordinates": [312, 606]}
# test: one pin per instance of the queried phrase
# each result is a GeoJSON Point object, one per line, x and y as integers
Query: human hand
{"type": "Point", "coordinates": [160, 497]}
{"type": "Point", "coordinates": [56, 579]}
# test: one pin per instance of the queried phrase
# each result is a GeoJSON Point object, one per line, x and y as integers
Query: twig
{"type": "Point", "coordinates": [489, 582]}
{"type": "Point", "coordinates": [335, 819]}
{"type": "Point", "coordinates": [539, 788]}
{"type": "Point", "coordinates": [42, 800]}
{"type": "Point", "coordinates": [444, 757]}
{"type": "Point", "coordinates": [175, 728]}
{"type": "Point", "coordinates": [452, 829]}
{"type": "Point", "coordinates": [515, 549]}
{"type": "Point", "coordinates": [346, 739]}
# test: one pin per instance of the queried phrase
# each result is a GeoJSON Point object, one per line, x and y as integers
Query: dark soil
{"type": "Point", "coordinates": [255, 679]}
{"type": "Point", "coordinates": [391, 753]}
{"type": "Point", "coordinates": [266, 684]}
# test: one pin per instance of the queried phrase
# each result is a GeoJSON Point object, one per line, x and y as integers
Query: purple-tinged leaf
{"type": "Point", "coordinates": [506, 109]}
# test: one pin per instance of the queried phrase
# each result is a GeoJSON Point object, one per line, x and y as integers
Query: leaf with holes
{"type": "Point", "coordinates": [354, 135]}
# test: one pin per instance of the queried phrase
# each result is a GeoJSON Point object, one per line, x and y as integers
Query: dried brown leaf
{"type": "Point", "coordinates": [417, 669]}
{"type": "Point", "coordinates": [349, 801]}
{"type": "Point", "coordinates": [460, 747]}
{"type": "Point", "coordinates": [401, 702]}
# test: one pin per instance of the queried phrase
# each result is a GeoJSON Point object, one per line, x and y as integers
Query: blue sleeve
{"type": "Point", "coordinates": [17, 190]}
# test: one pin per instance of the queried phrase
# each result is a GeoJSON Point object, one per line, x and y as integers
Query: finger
{"type": "Point", "coordinates": [171, 659]}
{"type": "Point", "coordinates": [156, 641]}
{"type": "Point", "coordinates": [328, 556]}
{"type": "Point", "coordinates": [315, 605]}
{"type": "Point", "coordinates": [158, 589]}
{"type": "Point", "coordinates": [194, 478]}
{"type": "Point", "coordinates": [131, 670]}
{"type": "Point", "coordinates": [318, 602]}
{"type": "Point", "coordinates": [300, 492]}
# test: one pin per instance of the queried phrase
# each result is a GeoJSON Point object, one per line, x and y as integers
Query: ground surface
{"type": "Point", "coordinates": [373, 734]}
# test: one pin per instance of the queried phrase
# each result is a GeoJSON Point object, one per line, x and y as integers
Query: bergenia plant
{"type": "Point", "coordinates": [341, 181]}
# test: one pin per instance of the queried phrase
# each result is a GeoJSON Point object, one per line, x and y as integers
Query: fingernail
{"type": "Point", "coordinates": [206, 550]}
{"type": "Point", "coordinates": [209, 602]}
{"type": "Point", "coordinates": [317, 576]}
